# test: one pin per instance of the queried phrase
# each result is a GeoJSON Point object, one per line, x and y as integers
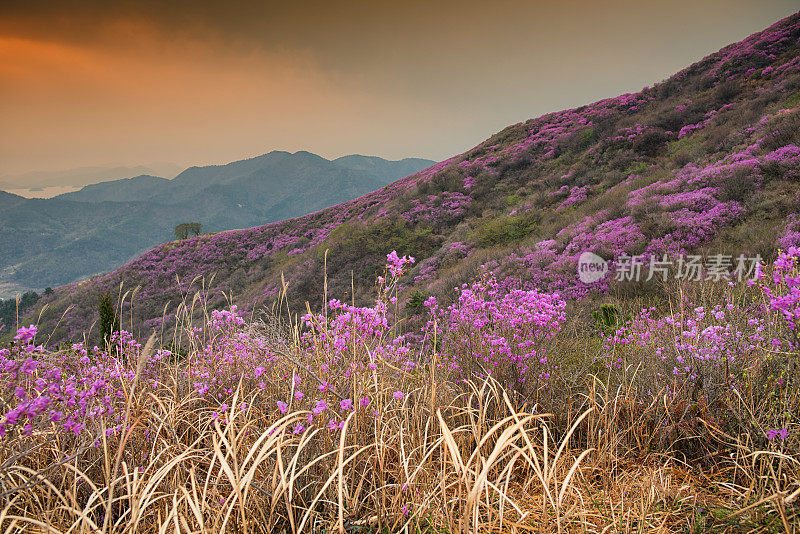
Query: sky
{"type": "Point", "coordinates": [102, 83]}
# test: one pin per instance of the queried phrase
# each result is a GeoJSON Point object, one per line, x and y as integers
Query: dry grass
{"type": "Point", "coordinates": [452, 457]}
{"type": "Point", "coordinates": [475, 464]}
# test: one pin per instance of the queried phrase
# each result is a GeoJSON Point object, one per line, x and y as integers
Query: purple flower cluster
{"type": "Point", "coordinates": [784, 295]}
{"type": "Point", "coordinates": [575, 195]}
{"type": "Point", "coordinates": [69, 390]}
{"type": "Point", "coordinates": [427, 269]}
{"type": "Point", "coordinates": [754, 53]}
{"type": "Point", "coordinates": [690, 128]}
{"type": "Point", "coordinates": [789, 236]}
{"type": "Point", "coordinates": [438, 209]}
{"type": "Point", "coordinates": [501, 333]}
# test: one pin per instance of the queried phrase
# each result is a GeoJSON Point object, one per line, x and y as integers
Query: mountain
{"type": "Point", "coordinates": [82, 175]}
{"type": "Point", "coordinates": [378, 167]}
{"type": "Point", "coordinates": [48, 242]}
{"type": "Point", "coordinates": [135, 189]}
{"type": "Point", "coordinates": [707, 161]}
{"type": "Point", "coordinates": [276, 169]}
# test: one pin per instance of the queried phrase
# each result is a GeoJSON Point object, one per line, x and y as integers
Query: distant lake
{"type": "Point", "coordinates": [44, 192]}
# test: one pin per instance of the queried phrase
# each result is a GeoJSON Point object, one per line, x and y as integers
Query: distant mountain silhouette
{"type": "Point", "coordinates": [82, 176]}
{"type": "Point", "coordinates": [47, 242]}
{"type": "Point", "coordinates": [134, 189]}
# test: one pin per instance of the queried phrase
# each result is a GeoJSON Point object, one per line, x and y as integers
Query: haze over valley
{"type": "Point", "coordinates": [102, 225]}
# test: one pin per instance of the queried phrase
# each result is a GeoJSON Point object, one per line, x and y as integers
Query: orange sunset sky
{"type": "Point", "coordinates": [99, 82]}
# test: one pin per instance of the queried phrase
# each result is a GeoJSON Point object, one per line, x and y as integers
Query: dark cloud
{"type": "Point", "coordinates": [148, 80]}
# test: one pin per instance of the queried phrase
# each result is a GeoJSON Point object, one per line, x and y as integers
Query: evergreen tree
{"type": "Point", "coordinates": [109, 322]}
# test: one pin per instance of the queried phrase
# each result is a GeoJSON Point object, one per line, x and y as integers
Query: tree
{"type": "Point", "coordinates": [12, 309]}
{"type": "Point", "coordinates": [109, 322]}
{"type": "Point", "coordinates": [183, 230]}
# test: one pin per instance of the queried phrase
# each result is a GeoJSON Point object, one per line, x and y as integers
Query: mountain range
{"type": "Point", "coordinates": [49, 242]}
{"type": "Point", "coordinates": [83, 175]}
{"type": "Point", "coordinates": [704, 162]}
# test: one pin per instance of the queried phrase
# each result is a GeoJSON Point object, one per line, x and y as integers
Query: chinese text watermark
{"type": "Point", "coordinates": [688, 267]}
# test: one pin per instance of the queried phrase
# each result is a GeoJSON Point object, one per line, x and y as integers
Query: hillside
{"type": "Point", "coordinates": [705, 161]}
{"type": "Point", "coordinates": [67, 240]}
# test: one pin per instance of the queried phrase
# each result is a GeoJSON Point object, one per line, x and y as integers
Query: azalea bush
{"type": "Point", "coordinates": [724, 356]}
{"type": "Point", "coordinates": [505, 335]}
{"type": "Point", "coordinates": [343, 417]}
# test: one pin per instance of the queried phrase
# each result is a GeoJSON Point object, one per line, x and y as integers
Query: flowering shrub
{"type": "Point", "coordinates": [576, 196]}
{"type": "Point", "coordinates": [348, 381]}
{"type": "Point", "coordinates": [784, 293]}
{"type": "Point", "coordinates": [705, 351]}
{"type": "Point", "coordinates": [790, 234]}
{"type": "Point", "coordinates": [438, 209]}
{"type": "Point", "coordinates": [698, 351]}
{"type": "Point", "coordinates": [76, 390]}
{"type": "Point", "coordinates": [502, 334]}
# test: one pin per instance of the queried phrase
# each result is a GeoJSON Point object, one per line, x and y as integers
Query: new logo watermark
{"type": "Point", "coordinates": [715, 267]}
{"type": "Point", "coordinates": [591, 267]}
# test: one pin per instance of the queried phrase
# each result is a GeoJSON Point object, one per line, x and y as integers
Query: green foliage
{"type": "Point", "coordinates": [184, 230]}
{"type": "Point", "coordinates": [499, 230]}
{"type": "Point", "coordinates": [689, 143]}
{"type": "Point", "coordinates": [109, 321]}
{"type": "Point", "coordinates": [687, 149]}
{"type": "Point", "coordinates": [639, 167]}
{"type": "Point", "coordinates": [10, 307]}
{"type": "Point", "coordinates": [791, 102]}
{"type": "Point", "coordinates": [416, 303]}
{"type": "Point", "coordinates": [386, 235]}
{"type": "Point", "coordinates": [586, 137]}
{"type": "Point", "coordinates": [608, 318]}
{"type": "Point", "coordinates": [362, 248]}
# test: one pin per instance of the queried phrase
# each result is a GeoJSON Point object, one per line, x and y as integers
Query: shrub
{"type": "Point", "coordinates": [488, 331]}
{"type": "Point", "coordinates": [740, 185]}
{"type": "Point", "coordinates": [725, 92]}
{"type": "Point", "coordinates": [109, 320]}
{"type": "Point", "coordinates": [784, 130]}
{"type": "Point", "coordinates": [499, 230]}
{"type": "Point", "coordinates": [651, 142]}
{"type": "Point", "coordinates": [416, 303]}
{"type": "Point", "coordinates": [184, 230]}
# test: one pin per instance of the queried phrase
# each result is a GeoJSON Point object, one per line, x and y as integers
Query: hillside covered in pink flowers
{"type": "Point", "coordinates": [705, 162]}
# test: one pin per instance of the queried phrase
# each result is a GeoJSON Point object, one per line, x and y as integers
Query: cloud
{"type": "Point", "coordinates": [92, 82]}
{"type": "Point", "coordinates": [199, 100]}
